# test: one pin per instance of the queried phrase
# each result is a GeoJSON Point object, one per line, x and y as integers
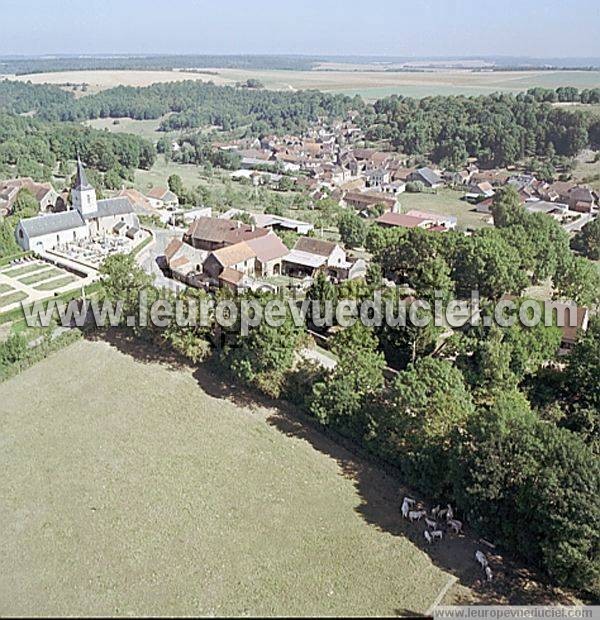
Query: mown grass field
{"type": "Point", "coordinates": [129, 489]}
{"type": "Point", "coordinates": [369, 84]}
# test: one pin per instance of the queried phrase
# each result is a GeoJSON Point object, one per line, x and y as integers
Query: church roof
{"type": "Point", "coordinates": [51, 223]}
{"type": "Point", "coordinates": [81, 182]}
{"type": "Point", "coordinates": [121, 205]}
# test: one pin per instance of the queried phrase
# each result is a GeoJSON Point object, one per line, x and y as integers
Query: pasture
{"type": "Point", "coordinates": [369, 84]}
{"type": "Point", "coordinates": [136, 487]}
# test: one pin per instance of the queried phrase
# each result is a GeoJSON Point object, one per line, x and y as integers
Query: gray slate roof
{"type": "Point", "coordinates": [429, 175]}
{"type": "Point", "coordinates": [52, 223]}
{"type": "Point", "coordinates": [111, 206]}
{"type": "Point", "coordinates": [81, 182]}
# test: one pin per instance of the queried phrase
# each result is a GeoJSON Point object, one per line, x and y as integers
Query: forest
{"type": "Point", "coordinates": [156, 62]}
{"type": "Point", "coordinates": [34, 147]}
{"type": "Point", "coordinates": [497, 129]}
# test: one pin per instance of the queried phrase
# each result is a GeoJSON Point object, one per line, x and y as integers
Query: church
{"type": "Point", "coordinates": [87, 218]}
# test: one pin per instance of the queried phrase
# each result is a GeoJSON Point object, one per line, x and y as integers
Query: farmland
{"type": "Point", "coordinates": [153, 494]}
{"type": "Point", "coordinates": [369, 84]}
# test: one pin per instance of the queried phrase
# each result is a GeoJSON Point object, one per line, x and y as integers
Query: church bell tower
{"type": "Point", "coordinates": [83, 194]}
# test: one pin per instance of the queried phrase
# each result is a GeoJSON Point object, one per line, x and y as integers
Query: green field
{"type": "Point", "coordinates": [4, 288]}
{"type": "Point", "coordinates": [146, 129]}
{"type": "Point", "coordinates": [130, 490]}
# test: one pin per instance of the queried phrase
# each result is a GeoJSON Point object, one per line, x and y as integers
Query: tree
{"type": "Point", "coordinates": [587, 240]}
{"type": "Point", "coordinates": [353, 229]}
{"type": "Point", "coordinates": [321, 292]}
{"type": "Point", "coordinates": [487, 263]}
{"type": "Point", "coordinates": [176, 184]}
{"type": "Point", "coordinates": [123, 281]}
{"type": "Point", "coordinates": [507, 209]}
{"type": "Point", "coordinates": [578, 280]}
{"type": "Point", "coordinates": [532, 487]}
{"type": "Point", "coordinates": [26, 204]}
{"type": "Point", "coordinates": [13, 349]}
{"type": "Point", "coordinates": [428, 406]}
{"type": "Point", "coordinates": [266, 354]}
{"type": "Point", "coordinates": [341, 398]}
{"type": "Point", "coordinates": [487, 366]}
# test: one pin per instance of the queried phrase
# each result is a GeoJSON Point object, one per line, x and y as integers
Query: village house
{"type": "Point", "coordinates": [270, 252]}
{"type": "Point", "coordinates": [140, 203]}
{"type": "Point", "coordinates": [162, 198]}
{"type": "Point", "coordinates": [365, 200]}
{"type": "Point", "coordinates": [377, 177]}
{"type": "Point", "coordinates": [309, 256]}
{"type": "Point", "coordinates": [211, 233]}
{"type": "Point", "coordinates": [429, 177]}
{"type": "Point", "coordinates": [46, 196]}
{"type": "Point", "coordinates": [402, 220]}
{"type": "Point", "coordinates": [480, 191]}
{"type": "Point", "coordinates": [238, 257]}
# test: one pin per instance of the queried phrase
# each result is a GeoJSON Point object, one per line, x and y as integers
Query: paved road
{"type": "Point", "coordinates": [148, 258]}
{"type": "Point", "coordinates": [580, 223]}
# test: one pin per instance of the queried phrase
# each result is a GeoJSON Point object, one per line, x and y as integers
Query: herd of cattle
{"type": "Point", "coordinates": [442, 520]}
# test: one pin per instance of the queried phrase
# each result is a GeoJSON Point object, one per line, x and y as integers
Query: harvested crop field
{"type": "Point", "coordinates": [369, 84]}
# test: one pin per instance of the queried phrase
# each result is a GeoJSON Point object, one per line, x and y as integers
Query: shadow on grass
{"type": "Point", "coordinates": [377, 485]}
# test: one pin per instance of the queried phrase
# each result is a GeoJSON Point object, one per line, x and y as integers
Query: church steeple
{"type": "Point", "coordinates": [83, 194]}
{"type": "Point", "coordinates": [81, 182]}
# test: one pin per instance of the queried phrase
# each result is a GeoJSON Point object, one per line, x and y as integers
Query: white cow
{"type": "Point", "coordinates": [435, 511]}
{"type": "Point", "coordinates": [427, 536]}
{"type": "Point", "coordinates": [488, 573]}
{"type": "Point", "coordinates": [437, 534]}
{"type": "Point", "coordinates": [449, 513]}
{"type": "Point", "coordinates": [405, 509]}
{"type": "Point", "coordinates": [455, 525]}
{"type": "Point", "coordinates": [430, 523]}
{"type": "Point", "coordinates": [480, 557]}
{"type": "Point", "coordinates": [416, 515]}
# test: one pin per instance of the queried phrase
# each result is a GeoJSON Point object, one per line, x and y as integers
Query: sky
{"type": "Point", "coordinates": [538, 28]}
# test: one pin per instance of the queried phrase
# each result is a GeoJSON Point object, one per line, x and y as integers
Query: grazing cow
{"type": "Point", "coordinates": [405, 509]}
{"type": "Point", "coordinates": [437, 534]}
{"type": "Point", "coordinates": [455, 524]}
{"type": "Point", "coordinates": [480, 557]}
{"type": "Point", "coordinates": [488, 573]}
{"type": "Point", "coordinates": [435, 511]}
{"type": "Point", "coordinates": [430, 523]}
{"type": "Point", "coordinates": [449, 513]}
{"type": "Point", "coordinates": [442, 513]}
{"type": "Point", "coordinates": [427, 536]}
{"type": "Point", "coordinates": [410, 501]}
{"type": "Point", "coordinates": [416, 515]}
